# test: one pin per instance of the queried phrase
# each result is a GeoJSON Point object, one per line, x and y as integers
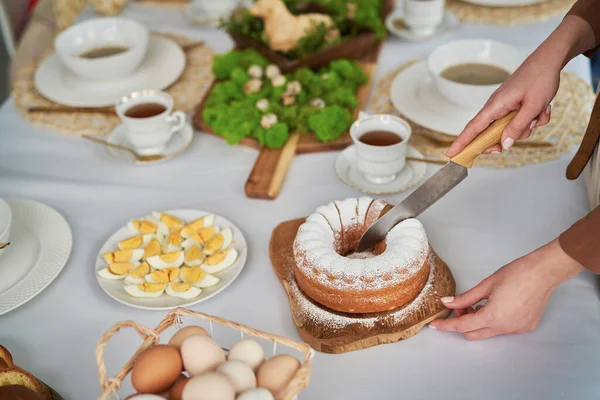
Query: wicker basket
{"type": "Point", "coordinates": [110, 386]}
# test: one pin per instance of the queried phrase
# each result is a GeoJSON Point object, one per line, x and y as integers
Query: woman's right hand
{"type": "Point", "coordinates": [529, 89]}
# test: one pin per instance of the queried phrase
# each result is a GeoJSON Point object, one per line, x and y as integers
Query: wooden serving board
{"type": "Point", "coordinates": [270, 168]}
{"type": "Point", "coordinates": [334, 332]}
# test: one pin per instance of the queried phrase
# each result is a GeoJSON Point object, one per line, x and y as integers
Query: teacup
{"type": "Point", "coordinates": [148, 121]}
{"type": "Point", "coordinates": [423, 16]}
{"type": "Point", "coordinates": [380, 163]}
{"type": "Point", "coordinates": [5, 223]}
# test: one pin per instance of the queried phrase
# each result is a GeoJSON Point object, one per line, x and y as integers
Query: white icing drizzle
{"type": "Point", "coordinates": [314, 250]}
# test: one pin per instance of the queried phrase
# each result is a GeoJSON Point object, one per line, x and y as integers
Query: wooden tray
{"type": "Point", "coordinates": [334, 332]}
{"type": "Point", "coordinates": [270, 168]}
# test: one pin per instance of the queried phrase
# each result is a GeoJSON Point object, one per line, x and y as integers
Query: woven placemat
{"type": "Point", "coordinates": [187, 91]}
{"type": "Point", "coordinates": [571, 110]}
{"type": "Point", "coordinates": [508, 15]}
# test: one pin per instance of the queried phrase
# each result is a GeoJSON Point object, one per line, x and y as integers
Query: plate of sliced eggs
{"type": "Point", "coordinates": [171, 259]}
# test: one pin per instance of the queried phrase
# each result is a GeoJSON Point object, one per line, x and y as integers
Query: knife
{"type": "Point", "coordinates": [437, 186]}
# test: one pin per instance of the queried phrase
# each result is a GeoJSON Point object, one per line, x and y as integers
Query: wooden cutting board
{"type": "Point", "coordinates": [334, 332]}
{"type": "Point", "coordinates": [269, 171]}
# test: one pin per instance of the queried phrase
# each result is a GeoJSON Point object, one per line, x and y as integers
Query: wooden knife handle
{"type": "Point", "coordinates": [489, 137]}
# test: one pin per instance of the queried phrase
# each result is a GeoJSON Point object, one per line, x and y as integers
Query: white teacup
{"type": "Point", "coordinates": [380, 164]}
{"type": "Point", "coordinates": [423, 16]}
{"type": "Point", "coordinates": [149, 132]}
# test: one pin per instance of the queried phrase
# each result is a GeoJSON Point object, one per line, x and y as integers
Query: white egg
{"type": "Point", "coordinates": [106, 274]}
{"type": "Point", "coordinates": [134, 281]}
{"type": "Point", "coordinates": [240, 375]}
{"type": "Point", "coordinates": [124, 256]}
{"type": "Point", "coordinates": [171, 221]}
{"type": "Point", "coordinates": [256, 394]}
{"type": "Point", "coordinates": [217, 262]}
{"type": "Point", "coordinates": [193, 255]}
{"type": "Point", "coordinates": [142, 290]}
{"type": "Point", "coordinates": [136, 242]}
{"type": "Point", "coordinates": [208, 281]}
{"type": "Point", "coordinates": [200, 237]}
{"type": "Point", "coordinates": [218, 242]}
{"type": "Point", "coordinates": [202, 222]}
{"type": "Point", "coordinates": [147, 226]}
{"type": "Point", "coordinates": [167, 260]}
{"type": "Point", "coordinates": [177, 290]}
{"type": "Point", "coordinates": [109, 272]}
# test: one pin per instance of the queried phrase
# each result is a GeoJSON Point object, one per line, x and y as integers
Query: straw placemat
{"type": "Point", "coordinates": [187, 91]}
{"type": "Point", "coordinates": [571, 110]}
{"type": "Point", "coordinates": [508, 15]}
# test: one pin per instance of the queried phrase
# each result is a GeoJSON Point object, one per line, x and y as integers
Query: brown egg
{"type": "Point", "coordinates": [276, 372]}
{"type": "Point", "coordinates": [156, 369]}
{"type": "Point", "coordinates": [176, 391]}
{"type": "Point", "coordinates": [184, 333]}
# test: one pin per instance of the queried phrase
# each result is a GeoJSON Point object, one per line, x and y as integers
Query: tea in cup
{"type": "Point", "coordinates": [148, 121]}
{"type": "Point", "coordinates": [381, 142]}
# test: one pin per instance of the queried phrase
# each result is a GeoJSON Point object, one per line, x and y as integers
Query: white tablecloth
{"type": "Point", "coordinates": [489, 220]}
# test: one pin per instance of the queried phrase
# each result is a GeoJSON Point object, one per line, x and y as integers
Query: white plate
{"type": "Point", "coordinates": [116, 288]}
{"type": "Point", "coordinates": [414, 95]}
{"type": "Point", "coordinates": [162, 66]}
{"type": "Point", "coordinates": [178, 143]}
{"type": "Point", "coordinates": [40, 245]}
{"type": "Point", "coordinates": [449, 23]}
{"type": "Point", "coordinates": [504, 3]}
{"type": "Point", "coordinates": [412, 174]}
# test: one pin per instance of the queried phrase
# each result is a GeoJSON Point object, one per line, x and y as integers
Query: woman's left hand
{"type": "Point", "coordinates": [516, 295]}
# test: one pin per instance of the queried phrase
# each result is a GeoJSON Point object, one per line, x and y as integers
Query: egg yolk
{"type": "Point", "coordinates": [144, 227]}
{"type": "Point", "coordinates": [215, 243]}
{"type": "Point", "coordinates": [204, 234]}
{"type": "Point", "coordinates": [122, 255]}
{"type": "Point", "coordinates": [192, 274]}
{"type": "Point", "coordinates": [165, 275]}
{"type": "Point", "coordinates": [141, 271]}
{"type": "Point", "coordinates": [120, 268]}
{"type": "Point", "coordinates": [171, 221]}
{"type": "Point", "coordinates": [133, 242]}
{"type": "Point", "coordinates": [192, 254]}
{"type": "Point", "coordinates": [170, 257]}
{"type": "Point", "coordinates": [153, 249]}
{"type": "Point", "coordinates": [175, 238]}
{"type": "Point", "coordinates": [151, 287]}
{"type": "Point", "coordinates": [180, 287]}
{"type": "Point", "coordinates": [193, 226]}
{"type": "Point", "coordinates": [216, 257]}
{"type": "Point", "coordinates": [109, 257]}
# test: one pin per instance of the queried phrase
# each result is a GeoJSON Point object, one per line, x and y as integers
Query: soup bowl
{"type": "Point", "coordinates": [103, 33]}
{"type": "Point", "coordinates": [480, 51]}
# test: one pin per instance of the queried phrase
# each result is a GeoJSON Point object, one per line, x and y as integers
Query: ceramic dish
{"type": "Point", "coordinates": [449, 23]}
{"type": "Point", "coordinates": [178, 143]}
{"type": "Point", "coordinates": [164, 63]}
{"type": "Point", "coordinates": [116, 290]}
{"type": "Point", "coordinates": [412, 174]}
{"type": "Point", "coordinates": [41, 242]}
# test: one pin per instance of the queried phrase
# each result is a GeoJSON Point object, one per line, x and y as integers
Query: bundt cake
{"type": "Point", "coordinates": [329, 271]}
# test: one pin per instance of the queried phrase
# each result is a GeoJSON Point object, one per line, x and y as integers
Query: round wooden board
{"type": "Point", "coordinates": [339, 332]}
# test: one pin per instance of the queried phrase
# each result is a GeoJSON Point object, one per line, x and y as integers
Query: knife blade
{"type": "Point", "coordinates": [447, 178]}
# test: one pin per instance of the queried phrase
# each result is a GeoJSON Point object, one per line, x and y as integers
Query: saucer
{"type": "Point", "coordinates": [504, 3]}
{"type": "Point", "coordinates": [414, 95]}
{"type": "Point", "coordinates": [40, 245]}
{"type": "Point", "coordinates": [164, 63]}
{"type": "Point", "coordinates": [412, 174]}
{"type": "Point", "coordinates": [178, 143]}
{"type": "Point", "coordinates": [448, 24]}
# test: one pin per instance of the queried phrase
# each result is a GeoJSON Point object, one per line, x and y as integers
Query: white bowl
{"type": "Point", "coordinates": [5, 222]}
{"type": "Point", "coordinates": [470, 51]}
{"type": "Point", "coordinates": [103, 32]}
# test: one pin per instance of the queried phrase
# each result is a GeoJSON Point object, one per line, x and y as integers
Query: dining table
{"type": "Point", "coordinates": [492, 218]}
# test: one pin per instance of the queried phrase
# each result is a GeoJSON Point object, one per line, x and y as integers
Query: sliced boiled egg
{"type": "Point", "coordinates": [193, 256]}
{"type": "Point", "coordinates": [220, 241]}
{"type": "Point", "coordinates": [208, 281]}
{"type": "Point", "coordinates": [198, 278]}
{"type": "Point", "coordinates": [196, 225]}
{"type": "Point", "coordinates": [174, 241]}
{"type": "Point", "coordinates": [117, 270]}
{"type": "Point", "coordinates": [202, 236]}
{"type": "Point", "coordinates": [183, 290]}
{"type": "Point", "coordinates": [171, 221]}
{"type": "Point", "coordinates": [120, 256]}
{"type": "Point", "coordinates": [219, 261]}
{"type": "Point", "coordinates": [146, 289]}
{"type": "Point", "coordinates": [137, 275]}
{"type": "Point", "coordinates": [167, 260]}
{"type": "Point", "coordinates": [146, 226]}
{"type": "Point", "coordinates": [153, 249]}
{"type": "Point", "coordinates": [135, 242]}
{"type": "Point", "coordinates": [164, 275]}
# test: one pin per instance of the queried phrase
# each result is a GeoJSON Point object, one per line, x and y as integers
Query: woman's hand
{"type": "Point", "coordinates": [516, 295]}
